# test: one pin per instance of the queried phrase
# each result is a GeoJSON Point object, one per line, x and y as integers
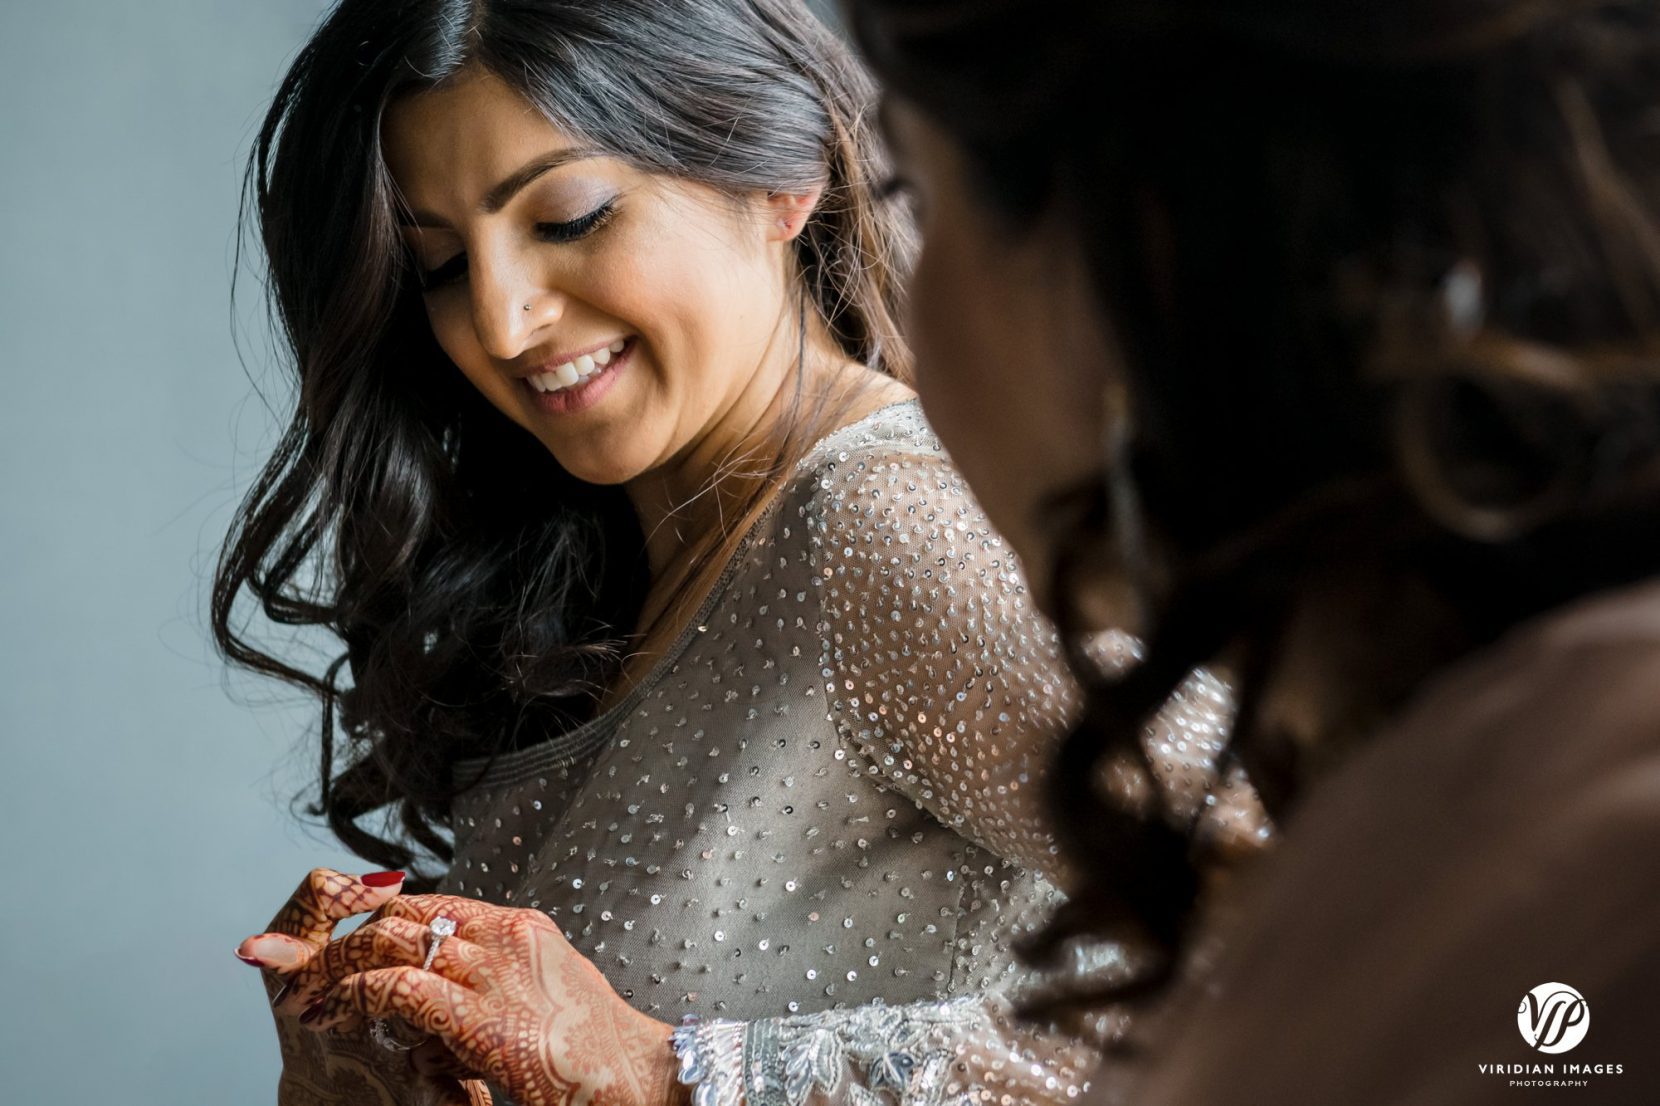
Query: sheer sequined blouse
{"type": "Point", "coordinates": [817, 822]}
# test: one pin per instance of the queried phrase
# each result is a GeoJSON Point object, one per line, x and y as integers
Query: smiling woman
{"type": "Point", "coordinates": [542, 257]}
{"type": "Point", "coordinates": [711, 210]}
{"type": "Point", "coordinates": [669, 629]}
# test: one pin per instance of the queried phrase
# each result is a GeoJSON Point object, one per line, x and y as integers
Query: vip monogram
{"type": "Point", "coordinates": [1553, 1017]}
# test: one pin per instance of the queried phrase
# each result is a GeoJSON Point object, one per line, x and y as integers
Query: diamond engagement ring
{"type": "Point", "coordinates": [380, 1030]}
{"type": "Point", "coordinates": [440, 928]}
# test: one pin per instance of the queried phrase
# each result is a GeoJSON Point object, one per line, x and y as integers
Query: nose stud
{"type": "Point", "coordinates": [527, 307]}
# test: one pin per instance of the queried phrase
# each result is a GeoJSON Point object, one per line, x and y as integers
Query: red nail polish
{"type": "Point", "coordinates": [381, 879]}
{"type": "Point", "coordinates": [254, 960]}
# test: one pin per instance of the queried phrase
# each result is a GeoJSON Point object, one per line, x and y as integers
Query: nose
{"type": "Point", "coordinates": [511, 305]}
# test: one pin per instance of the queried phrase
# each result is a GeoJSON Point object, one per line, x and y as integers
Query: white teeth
{"type": "Point", "coordinates": [576, 370]}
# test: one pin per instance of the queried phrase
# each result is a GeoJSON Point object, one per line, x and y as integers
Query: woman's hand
{"type": "Point", "coordinates": [344, 1068]}
{"type": "Point", "coordinates": [507, 995]}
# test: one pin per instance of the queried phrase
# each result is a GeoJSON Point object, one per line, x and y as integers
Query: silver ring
{"type": "Point", "coordinates": [440, 928]}
{"type": "Point", "coordinates": [380, 1031]}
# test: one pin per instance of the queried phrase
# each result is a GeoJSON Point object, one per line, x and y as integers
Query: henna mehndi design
{"type": "Point", "coordinates": [530, 1013]}
{"type": "Point", "coordinates": [342, 1068]}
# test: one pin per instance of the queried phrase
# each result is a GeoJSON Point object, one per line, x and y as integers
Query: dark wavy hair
{"type": "Point", "coordinates": [1386, 281]}
{"type": "Point", "coordinates": [479, 590]}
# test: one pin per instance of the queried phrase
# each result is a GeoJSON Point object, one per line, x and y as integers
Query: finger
{"type": "Point", "coordinates": [433, 1059]}
{"type": "Point", "coordinates": [480, 922]}
{"type": "Point", "coordinates": [425, 1001]}
{"type": "Point", "coordinates": [385, 943]}
{"type": "Point", "coordinates": [307, 921]}
{"type": "Point", "coordinates": [275, 952]}
{"type": "Point", "coordinates": [424, 908]}
{"type": "Point", "coordinates": [326, 897]}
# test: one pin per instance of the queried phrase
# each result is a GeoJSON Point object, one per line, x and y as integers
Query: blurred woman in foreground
{"type": "Point", "coordinates": [1363, 301]}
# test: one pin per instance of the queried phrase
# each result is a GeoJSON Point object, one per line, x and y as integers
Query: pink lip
{"type": "Point", "coordinates": [568, 401]}
{"type": "Point", "coordinates": [548, 364]}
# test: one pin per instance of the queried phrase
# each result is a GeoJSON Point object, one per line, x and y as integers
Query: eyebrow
{"type": "Point", "coordinates": [503, 192]}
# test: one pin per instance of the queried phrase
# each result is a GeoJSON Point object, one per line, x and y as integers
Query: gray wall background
{"type": "Point", "coordinates": [145, 808]}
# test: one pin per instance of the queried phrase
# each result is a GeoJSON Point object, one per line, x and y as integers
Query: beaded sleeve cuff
{"type": "Point", "coordinates": [869, 1056]}
{"type": "Point", "coordinates": [711, 1060]}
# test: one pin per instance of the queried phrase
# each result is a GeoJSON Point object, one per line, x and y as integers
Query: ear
{"type": "Point", "coordinates": [787, 212]}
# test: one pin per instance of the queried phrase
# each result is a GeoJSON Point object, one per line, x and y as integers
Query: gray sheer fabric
{"type": "Point", "coordinates": [818, 823]}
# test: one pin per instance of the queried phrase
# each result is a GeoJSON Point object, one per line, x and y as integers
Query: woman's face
{"type": "Point", "coordinates": [1012, 357]}
{"type": "Point", "coordinates": [616, 315]}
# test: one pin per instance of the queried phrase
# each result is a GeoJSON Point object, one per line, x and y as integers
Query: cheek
{"type": "Point", "coordinates": [671, 277]}
{"type": "Point", "coordinates": [957, 343]}
{"type": "Point", "coordinates": [694, 292]}
{"type": "Point", "coordinates": [1009, 370]}
{"type": "Point", "coordinates": [450, 316]}
{"type": "Point", "coordinates": [969, 372]}
{"type": "Point", "coordinates": [451, 319]}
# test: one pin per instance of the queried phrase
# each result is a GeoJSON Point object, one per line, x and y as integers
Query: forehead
{"type": "Point", "coordinates": [454, 141]}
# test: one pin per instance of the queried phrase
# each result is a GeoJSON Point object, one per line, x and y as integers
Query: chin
{"type": "Point", "coordinates": [597, 470]}
{"type": "Point", "coordinates": [594, 464]}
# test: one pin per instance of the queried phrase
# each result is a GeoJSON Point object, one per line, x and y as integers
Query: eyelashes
{"type": "Point", "coordinates": [580, 227]}
{"type": "Point", "coordinates": [448, 273]}
{"type": "Point", "coordinates": [557, 233]}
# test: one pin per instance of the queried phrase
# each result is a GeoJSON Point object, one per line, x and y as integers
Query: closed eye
{"type": "Point", "coordinates": [581, 226]}
{"type": "Point", "coordinates": [455, 268]}
{"type": "Point", "coordinates": [447, 273]}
